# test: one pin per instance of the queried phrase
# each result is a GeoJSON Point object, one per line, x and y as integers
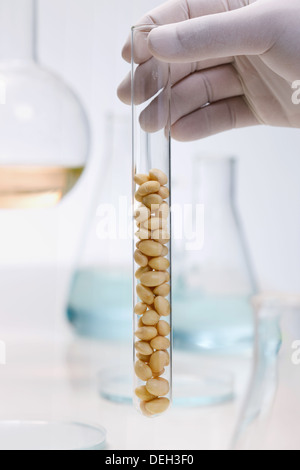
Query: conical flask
{"type": "Point", "coordinates": [44, 131]}
{"type": "Point", "coordinates": [100, 300]}
{"type": "Point", "coordinates": [213, 276]}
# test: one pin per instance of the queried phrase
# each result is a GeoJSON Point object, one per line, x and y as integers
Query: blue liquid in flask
{"type": "Point", "coordinates": [100, 304]}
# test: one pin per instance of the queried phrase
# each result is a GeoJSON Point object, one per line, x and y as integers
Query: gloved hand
{"type": "Point", "coordinates": [241, 56]}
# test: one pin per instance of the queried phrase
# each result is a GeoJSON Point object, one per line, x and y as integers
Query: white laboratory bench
{"type": "Point", "coordinates": [57, 380]}
{"type": "Point", "coordinates": [54, 379]}
{"type": "Point", "coordinates": [53, 375]}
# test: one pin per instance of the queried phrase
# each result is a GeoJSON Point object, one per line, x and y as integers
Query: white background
{"type": "Point", "coordinates": [81, 40]}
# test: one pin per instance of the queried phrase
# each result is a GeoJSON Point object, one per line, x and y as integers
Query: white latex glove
{"type": "Point", "coordinates": [240, 56]}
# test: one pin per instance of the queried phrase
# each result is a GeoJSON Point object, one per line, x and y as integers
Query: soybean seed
{"type": "Point", "coordinates": [142, 357]}
{"type": "Point", "coordinates": [145, 294]}
{"type": "Point", "coordinates": [164, 241]}
{"type": "Point", "coordinates": [165, 251]}
{"type": "Point", "coordinates": [153, 278]}
{"type": "Point", "coordinates": [149, 188]}
{"type": "Point", "coordinates": [143, 409]}
{"type": "Point", "coordinates": [141, 179]}
{"type": "Point", "coordinates": [143, 348]}
{"type": "Point", "coordinates": [160, 343]}
{"type": "Point", "coordinates": [143, 234]}
{"type": "Point", "coordinates": [140, 308]}
{"type": "Point", "coordinates": [142, 214]}
{"type": "Point", "coordinates": [155, 223]}
{"type": "Point", "coordinates": [157, 406]}
{"type": "Point", "coordinates": [140, 323]}
{"type": "Point", "coordinates": [158, 361]}
{"type": "Point", "coordinates": [162, 306]}
{"type": "Point", "coordinates": [167, 356]}
{"type": "Point", "coordinates": [164, 192]}
{"type": "Point", "coordinates": [158, 175]}
{"type": "Point", "coordinates": [162, 211]}
{"type": "Point", "coordinates": [145, 333]}
{"type": "Point", "coordinates": [158, 387]}
{"type": "Point", "coordinates": [163, 290]}
{"type": "Point", "coordinates": [143, 394]}
{"type": "Point", "coordinates": [160, 263]}
{"type": "Point", "coordinates": [141, 270]}
{"type": "Point", "coordinates": [150, 248]}
{"type": "Point", "coordinates": [142, 371]}
{"type": "Point", "coordinates": [150, 318]}
{"type": "Point", "coordinates": [140, 258]}
{"type": "Point", "coordinates": [138, 197]}
{"type": "Point", "coordinates": [158, 374]}
{"type": "Point", "coordinates": [151, 200]}
{"type": "Point", "coordinates": [154, 208]}
{"type": "Point", "coordinates": [163, 328]}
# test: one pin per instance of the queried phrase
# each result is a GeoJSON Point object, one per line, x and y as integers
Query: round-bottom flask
{"type": "Point", "coordinates": [44, 129]}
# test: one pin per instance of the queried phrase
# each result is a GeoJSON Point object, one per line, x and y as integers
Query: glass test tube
{"type": "Point", "coordinates": [152, 229]}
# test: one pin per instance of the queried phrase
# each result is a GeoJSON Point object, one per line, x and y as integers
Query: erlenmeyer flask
{"type": "Point", "coordinates": [213, 276]}
{"type": "Point", "coordinates": [100, 300]}
{"type": "Point", "coordinates": [270, 417]}
{"type": "Point", "coordinates": [44, 131]}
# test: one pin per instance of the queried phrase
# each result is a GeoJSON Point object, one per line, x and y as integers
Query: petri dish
{"type": "Point", "coordinates": [46, 435]}
{"type": "Point", "coordinates": [194, 384]}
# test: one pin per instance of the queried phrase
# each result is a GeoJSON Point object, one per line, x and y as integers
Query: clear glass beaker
{"type": "Point", "coordinates": [44, 130]}
{"type": "Point", "coordinates": [270, 416]}
{"type": "Point", "coordinates": [213, 274]}
{"type": "Point", "coordinates": [152, 325]}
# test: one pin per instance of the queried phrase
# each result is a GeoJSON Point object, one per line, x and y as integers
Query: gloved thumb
{"type": "Point", "coordinates": [245, 31]}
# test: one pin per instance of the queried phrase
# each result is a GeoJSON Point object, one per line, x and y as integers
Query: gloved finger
{"type": "Point", "coordinates": [140, 51]}
{"type": "Point", "coordinates": [204, 87]}
{"type": "Point", "coordinates": [221, 116]}
{"type": "Point", "coordinates": [240, 32]}
{"type": "Point", "coordinates": [175, 11]}
{"type": "Point", "coordinates": [156, 116]}
{"type": "Point", "coordinates": [192, 93]}
{"type": "Point", "coordinates": [124, 89]}
{"type": "Point", "coordinates": [149, 79]}
{"type": "Point", "coordinates": [147, 73]}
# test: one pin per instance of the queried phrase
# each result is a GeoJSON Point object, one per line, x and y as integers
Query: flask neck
{"type": "Point", "coordinates": [17, 30]}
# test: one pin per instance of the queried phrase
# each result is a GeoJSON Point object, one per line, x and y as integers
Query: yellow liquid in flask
{"type": "Point", "coordinates": [25, 187]}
